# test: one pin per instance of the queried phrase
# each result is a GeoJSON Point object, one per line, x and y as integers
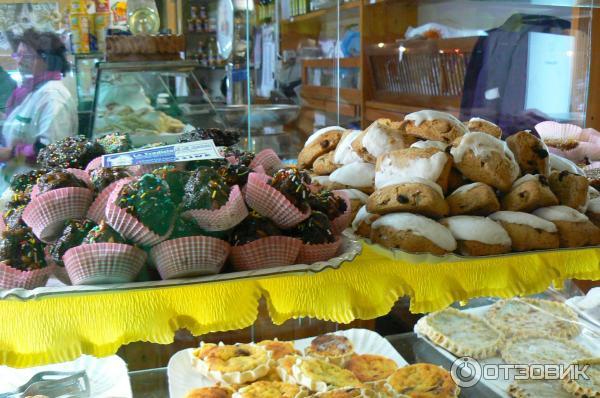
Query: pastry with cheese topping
{"type": "Point", "coordinates": [271, 389]}
{"type": "Point", "coordinates": [210, 392]}
{"type": "Point", "coordinates": [335, 348]}
{"type": "Point", "coordinates": [320, 375]}
{"type": "Point", "coordinates": [279, 349]}
{"type": "Point", "coordinates": [284, 366]}
{"type": "Point", "coordinates": [423, 380]}
{"type": "Point", "coordinates": [371, 368]}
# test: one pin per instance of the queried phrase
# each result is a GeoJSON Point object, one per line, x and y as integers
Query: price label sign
{"type": "Point", "coordinates": [197, 150]}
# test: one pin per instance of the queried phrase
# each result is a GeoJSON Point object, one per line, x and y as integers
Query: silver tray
{"type": "Point", "coordinates": [349, 249]}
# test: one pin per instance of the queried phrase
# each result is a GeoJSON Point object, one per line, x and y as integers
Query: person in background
{"type": "Point", "coordinates": [40, 111]}
{"type": "Point", "coordinates": [7, 86]}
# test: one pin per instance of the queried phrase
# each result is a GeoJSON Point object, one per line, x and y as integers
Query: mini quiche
{"type": "Point", "coordinates": [271, 389]}
{"type": "Point", "coordinates": [232, 364]}
{"type": "Point", "coordinates": [319, 375]}
{"type": "Point", "coordinates": [279, 349]}
{"type": "Point", "coordinates": [461, 333]}
{"type": "Point", "coordinates": [534, 316]}
{"type": "Point", "coordinates": [537, 389]}
{"type": "Point", "coordinates": [371, 368]}
{"type": "Point", "coordinates": [423, 380]}
{"type": "Point", "coordinates": [337, 349]}
{"type": "Point", "coordinates": [581, 387]}
{"type": "Point", "coordinates": [529, 350]}
{"type": "Point", "coordinates": [210, 392]}
{"type": "Point", "coordinates": [348, 392]}
{"type": "Point", "coordinates": [283, 367]}
{"type": "Point", "coordinates": [381, 388]}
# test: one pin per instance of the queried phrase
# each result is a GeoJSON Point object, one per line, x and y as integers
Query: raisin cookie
{"type": "Point", "coordinates": [417, 195]}
{"type": "Point", "coordinates": [484, 126]}
{"type": "Point", "coordinates": [476, 199]}
{"type": "Point", "coordinates": [574, 228]}
{"type": "Point", "coordinates": [319, 143]}
{"type": "Point", "coordinates": [361, 224]}
{"type": "Point", "coordinates": [478, 236]}
{"type": "Point", "coordinates": [570, 189]}
{"type": "Point", "coordinates": [528, 193]}
{"type": "Point", "coordinates": [380, 137]}
{"type": "Point", "coordinates": [530, 152]}
{"type": "Point", "coordinates": [324, 164]}
{"type": "Point", "coordinates": [356, 175]}
{"type": "Point", "coordinates": [433, 125]}
{"type": "Point", "coordinates": [528, 232]}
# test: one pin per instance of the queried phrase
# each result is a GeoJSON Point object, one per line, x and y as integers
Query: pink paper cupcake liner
{"type": "Point", "coordinates": [271, 203]}
{"type": "Point", "coordinates": [268, 159]}
{"type": "Point", "coordinates": [231, 159]}
{"type": "Point", "coordinates": [322, 252]}
{"type": "Point", "coordinates": [47, 212]}
{"type": "Point", "coordinates": [226, 217]}
{"type": "Point", "coordinates": [102, 263]}
{"type": "Point", "coordinates": [266, 252]}
{"type": "Point", "coordinates": [11, 278]}
{"type": "Point", "coordinates": [96, 163]}
{"type": "Point", "coordinates": [259, 169]}
{"type": "Point", "coordinates": [129, 226]}
{"type": "Point", "coordinates": [97, 211]}
{"type": "Point", "coordinates": [340, 223]}
{"type": "Point", "coordinates": [189, 256]}
{"type": "Point", "coordinates": [82, 175]}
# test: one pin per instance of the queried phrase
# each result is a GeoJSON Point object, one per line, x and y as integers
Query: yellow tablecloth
{"type": "Point", "coordinates": [54, 329]}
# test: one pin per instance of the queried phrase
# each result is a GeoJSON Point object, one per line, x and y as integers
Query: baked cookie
{"type": "Point", "coordinates": [456, 180]}
{"type": "Point", "coordinates": [412, 233]}
{"type": "Point", "coordinates": [558, 163]}
{"type": "Point", "coordinates": [279, 349]}
{"type": "Point", "coordinates": [357, 175]}
{"type": "Point", "coordinates": [361, 224]}
{"type": "Point", "coordinates": [529, 316]}
{"type": "Point", "coordinates": [324, 164]}
{"type": "Point", "coordinates": [526, 231]}
{"type": "Point", "coordinates": [232, 364]}
{"type": "Point", "coordinates": [371, 368]}
{"type": "Point", "coordinates": [211, 392]}
{"type": "Point", "coordinates": [593, 211]}
{"type": "Point", "coordinates": [320, 375]}
{"type": "Point", "coordinates": [382, 136]}
{"type": "Point", "coordinates": [442, 146]}
{"type": "Point", "coordinates": [528, 193]}
{"type": "Point", "coordinates": [483, 158]}
{"type": "Point", "coordinates": [271, 389]}
{"type": "Point", "coordinates": [537, 389]}
{"type": "Point", "coordinates": [423, 380]}
{"type": "Point", "coordinates": [323, 182]}
{"type": "Point", "coordinates": [570, 189]}
{"type": "Point", "coordinates": [476, 199]}
{"type": "Point", "coordinates": [434, 125]}
{"type": "Point", "coordinates": [461, 333]}
{"type": "Point", "coordinates": [478, 236]}
{"type": "Point", "coordinates": [357, 199]}
{"type": "Point", "coordinates": [348, 392]}
{"type": "Point", "coordinates": [580, 387]}
{"type": "Point", "coordinates": [530, 152]}
{"type": "Point", "coordinates": [398, 166]}
{"type": "Point", "coordinates": [319, 143]}
{"type": "Point", "coordinates": [574, 228]}
{"type": "Point", "coordinates": [332, 347]}
{"type": "Point", "coordinates": [344, 153]}
{"type": "Point", "coordinates": [484, 126]}
{"type": "Point", "coordinates": [541, 350]}
{"type": "Point", "coordinates": [417, 195]}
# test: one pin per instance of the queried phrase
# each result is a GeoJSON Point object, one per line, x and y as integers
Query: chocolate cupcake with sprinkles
{"type": "Point", "coordinates": [319, 241]}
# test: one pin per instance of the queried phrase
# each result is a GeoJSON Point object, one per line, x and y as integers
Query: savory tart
{"type": "Point", "coordinates": [210, 392]}
{"type": "Point", "coordinates": [537, 389]}
{"type": "Point", "coordinates": [581, 387]}
{"type": "Point", "coordinates": [232, 364]}
{"type": "Point", "coordinates": [320, 375]}
{"type": "Point", "coordinates": [271, 389]}
{"type": "Point", "coordinates": [423, 380]}
{"type": "Point", "coordinates": [279, 349]}
{"type": "Point", "coordinates": [461, 333]}
{"type": "Point", "coordinates": [348, 392]}
{"type": "Point", "coordinates": [531, 316]}
{"type": "Point", "coordinates": [284, 366]}
{"type": "Point", "coordinates": [540, 350]}
{"type": "Point", "coordinates": [371, 368]}
{"type": "Point", "coordinates": [337, 349]}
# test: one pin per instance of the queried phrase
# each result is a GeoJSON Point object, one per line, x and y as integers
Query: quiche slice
{"type": "Point", "coordinates": [271, 389]}
{"type": "Point", "coordinates": [461, 333]}
{"type": "Point", "coordinates": [582, 388]}
{"type": "Point", "coordinates": [320, 375]}
{"type": "Point", "coordinates": [540, 350]}
{"type": "Point", "coordinates": [283, 367]}
{"type": "Point", "coordinates": [531, 316]}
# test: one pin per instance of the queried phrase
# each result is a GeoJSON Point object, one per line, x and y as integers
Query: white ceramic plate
{"type": "Point", "coordinates": [108, 376]}
{"type": "Point", "coordinates": [589, 338]}
{"type": "Point", "coordinates": [183, 378]}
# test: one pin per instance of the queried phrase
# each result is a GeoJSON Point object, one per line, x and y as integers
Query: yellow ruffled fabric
{"type": "Point", "coordinates": [61, 328]}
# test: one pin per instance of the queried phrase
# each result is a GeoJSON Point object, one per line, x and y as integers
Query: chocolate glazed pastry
{"type": "Point", "coordinates": [316, 229]}
{"type": "Point", "coordinates": [205, 190]}
{"type": "Point", "coordinates": [326, 202]}
{"type": "Point", "coordinates": [293, 184]}
{"type": "Point", "coordinates": [184, 228]}
{"type": "Point", "coordinates": [234, 174]}
{"type": "Point", "coordinates": [75, 152]}
{"type": "Point", "coordinates": [104, 176]}
{"type": "Point", "coordinates": [13, 217]}
{"type": "Point", "coordinates": [73, 234]}
{"type": "Point", "coordinates": [102, 233]}
{"type": "Point", "coordinates": [24, 182]}
{"type": "Point", "coordinates": [57, 179]}
{"type": "Point", "coordinates": [20, 249]}
{"type": "Point", "coordinates": [242, 157]}
{"type": "Point", "coordinates": [254, 227]}
{"type": "Point", "coordinates": [176, 179]}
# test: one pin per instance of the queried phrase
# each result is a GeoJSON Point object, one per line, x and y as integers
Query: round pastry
{"type": "Point", "coordinates": [210, 392]}
{"type": "Point", "coordinates": [476, 199]}
{"type": "Point", "coordinates": [228, 137]}
{"type": "Point", "coordinates": [254, 227]}
{"type": "Point", "coordinates": [478, 236]}
{"type": "Point", "coordinates": [102, 177]}
{"type": "Point", "coordinates": [530, 152]}
{"type": "Point", "coordinates": [234, 174]}
{"type": "Point", "coordinates": [334, 348]}
{"type": "Point", "coordinates": [355, 175]}
{"type": "Point", "coordinates": [24, 182]}
{"type": "Point", "coordinates": [483, 158]}
{"type": "Point", "coordinates": [593, 211]}
{"type": "Point", "coordinates": [362, 222]}
{"type": "Point", "coordinates": [371, 368]}
{"type": "Point", "coordinates": [357, 200]}
{"type": "Point", "coordinates": [484, 126]}
{"type": "Point", "coordinates": [72, 235]}
{"type": "Point", "coordinates": [205, 189]}
{"type": "Point", "coordinates": [294, 185]}
{"type": "Point", "coordinates": [148, 199]}
{"type": "Point", "coordinates": [348, 392]}
{"type": "Point", "coordinates": [279, 349]}
{"type": "Point", "coordinates": [570, 189]}
{"type": "Point", "coordinates": [381, 137]}
{"type": "Point", "coordinates": [344, 153]}
{"type": "Point", "coordinates": [320, 375]}
{"type": "Point", "coordinates": [319, 143]}
{"type": "Point", "coordinates": [75, 152]}
{"type": "Point", "coordinates": [574, 228]}
{"type": "Point", "coordinates": [115, 142]}
{"type": "Point", "coordinates": [324, 164]}
{"type": "Point", "coordinates": [423, 380]}
{"type": "Point", "coordinates": [528, 193]}
{"type": "Point", "coordinates": [398, 166]}
{"type": "Point", "coordinates": [327, 202]}
{"type": "Point", "coordinates": [176, 180]}
{"type": "Point", "coordinates": [21, 249]}
{"type": "Point", "coordinates": [526, 231]}
{"type": "Point", "coordinates": [271, 389]}
{"type": "Point", "coordinates": [412, 233]}
{"type": "Point", "coordinates": [434, 125]}
{"type": "Point", "coordinates": [57, 179]}
{"type": "Point", "coordinates": [416, 195]}
{"type": "Point", "coordinates": [315, 230]}
{"type": "Point", "coordinates": [102, 233]}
